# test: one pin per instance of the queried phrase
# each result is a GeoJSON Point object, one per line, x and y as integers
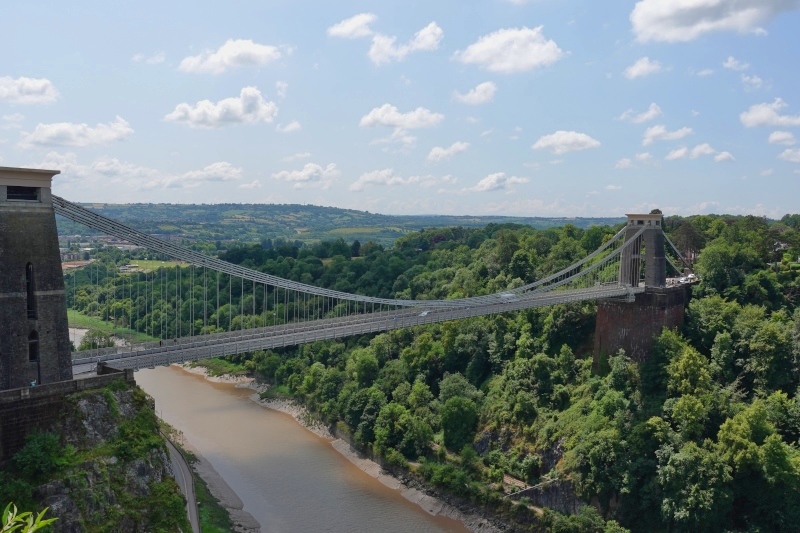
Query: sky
{"type": "Point", "coordinates": [481, 107]}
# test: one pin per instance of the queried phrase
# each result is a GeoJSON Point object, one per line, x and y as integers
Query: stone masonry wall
{"type": "Point", "coordinates": [634, 326]}
{"type": "Point", "coordinates": [25, 410]}
{"type": "Point", "coordinates": [28, 235]}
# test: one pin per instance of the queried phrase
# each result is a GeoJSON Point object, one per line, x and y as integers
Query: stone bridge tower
{"type": "Point", "coordinates": [632, 326]}
{"type": "Point", "coordinates": [34, 336]}
{"type": "Point", "coordinates": [651, 242]}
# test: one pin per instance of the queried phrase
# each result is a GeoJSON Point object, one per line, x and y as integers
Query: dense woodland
{"type": "Point", "coordinates": [702, 437]}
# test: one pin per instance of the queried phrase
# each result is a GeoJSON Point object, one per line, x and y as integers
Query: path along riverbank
{"type": "Point", "coordinates": [433, 506]}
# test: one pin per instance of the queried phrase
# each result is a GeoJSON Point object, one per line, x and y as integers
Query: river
{"type": "Point", "coordinates": [289, 479]}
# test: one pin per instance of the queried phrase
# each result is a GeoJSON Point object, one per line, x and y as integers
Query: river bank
{"type": "Point", "coordinates": [288, 477]}
{"type": "Point", "coordinates": [430, 504]}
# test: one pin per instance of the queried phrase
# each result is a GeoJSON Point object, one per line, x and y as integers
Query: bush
{"type": "Point", "coordinates": [395, 459]}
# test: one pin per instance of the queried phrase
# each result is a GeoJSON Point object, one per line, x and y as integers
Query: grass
{"type": "Point", "coordinates": [327, 261]}
{"type": "Point", "coordinates": [219, 367]}
{"type": "Point", "coordinates": [276, 392]}
{"type": "Point", "coordinates": [79, 320]}
{"type": "Point", "coordinates": [213, 516]}
{"type": "Point", "coordinates": [148, 265]}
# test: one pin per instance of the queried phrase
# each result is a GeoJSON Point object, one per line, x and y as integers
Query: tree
{"type": "Point", "coordinates": [694, 481]}
{"type": "Point", "coordinates": [27, 522]}
{"type": "Point", "coordinates": [459, 418]}
{"type": "Point", "coordinates": [95, 338]}
{"type": "Point", "coordinates": [453, 385]}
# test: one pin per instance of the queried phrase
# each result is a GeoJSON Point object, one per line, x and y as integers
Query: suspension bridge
{"type": "Point", "coordinates": [293, 313]}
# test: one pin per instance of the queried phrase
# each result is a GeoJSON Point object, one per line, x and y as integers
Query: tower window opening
{"type": "Point", "coordinates": [30, 287]}
{"type": "Point", "coordinates": [33, 347]}
{"type": "Point", "coordinates": [28, 194]}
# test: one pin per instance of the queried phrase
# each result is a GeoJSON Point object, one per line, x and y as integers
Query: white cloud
{"type": "Point", "coordinates": [234, 53]}
{"type": "Point", "coordinates": [389, 115]}
{"type": "Point", "coordinates": [496, 182]}
{"type": "Point", "coordinates": [511, 50]}
{"type": "Point", "coordinates": [249, 107]}
{"type": "Point", "coordinates": [660, 133]}
{"type": "Point", "coordinates": [701, 150]}
{"type": "Point", "coordinates": [643, 66]}
{"type": "Point", "coordinates": [388, 178]}
{"type": "Point", "coordinates": [438, 153]}
{"type": "Point", "coordinates": [696, 152]}
{"type": "Point", "coordinates": [280, 88]}
{"type": "Point", "coordinates": [398, 136]}
{"type": "Point", "coordinates": [734, 64]}
{"type": "Point", "coordinates": [724, 156]}
{"type": "Point", "coordinates": [686, 20]}
{"type": "Point", "coordinates": [353, 28]}
{"type": "Point", "coordinates": [777, 137]}
{"type": "Point", "coordinates": [255, 184]}
{"type": "Point", "coordinates": [791, 154]}
{"type": "Point", "coordinates": [652, 112]}
{"type": "Point", "coordinates": [290, 127]}
{"type": "Point", "coordinates": [384, 50]}
{"type": "Point", "coordinates": [141, 177]}
{"type": "Point", "coordinates": [27, 90]}
{"type": "Point", "coordinates": [311, 175]}
{"type": "Point", "coordinates": [705, 72]}
{"type": "Point", "coordinates": [624, 163]}
{"type": "Point", "coordinates": [752, 82]}
{"type": "Point", "coordinates": [216, 172]}
{"type": "Point", "coordinates": [481, 94]}
{"type": "Point", "coordinates": [297, 156]}
{"type": "Point", "coordinates": [678, 153]}
{"type": "Point", "coordinates": [767, 115]}
{"type": "Point", "coordinates": [12, 121]}
{"type": "Point", "coordinates": [767, 172]}
{"type": "Point", "coordinates": [154, 59]}
{"type": "Point", "coordinates": [70, 134]}
{"type": "Point", "coordinates": [562, 142]}
{"type": "Point", "coordinates": [643, 156]}
{"type": "Point", "coordinates": [613, 187]}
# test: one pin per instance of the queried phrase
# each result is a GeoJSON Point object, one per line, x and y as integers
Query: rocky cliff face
{"type": "Point", "coordinates": [111, 471]}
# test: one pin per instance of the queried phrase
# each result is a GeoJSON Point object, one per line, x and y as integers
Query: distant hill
{"type": "Point", "coordinates": [307, 223]}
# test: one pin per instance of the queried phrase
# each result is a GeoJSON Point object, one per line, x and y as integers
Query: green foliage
{"type": "Point", "coordinates": [695, 483]}
{"type": "Point", "coordinates": [701, 436]}
{"type": "Point", "coordinates": [42, 456]}
{"type": "Point", "coordinates": [25, 522]}
{"type": "Point", "coordinates": [587, 520]}
{"type": "Point", "coordinates": [95, 338]}
{"type": "Point", "coordinates": [459, 418]}
{"type": "Point", "coordinates": [44, 460]}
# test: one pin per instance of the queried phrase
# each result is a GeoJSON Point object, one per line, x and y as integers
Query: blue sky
{"type": "Point", "coordinates": [509, 107]}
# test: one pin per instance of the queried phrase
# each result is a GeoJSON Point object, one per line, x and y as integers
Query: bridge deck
{"type": "Point", "coordinates": [218, 345]}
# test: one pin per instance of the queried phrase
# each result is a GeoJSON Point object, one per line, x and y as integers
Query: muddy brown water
{"type": "Point", "coordinates": [289, 479]}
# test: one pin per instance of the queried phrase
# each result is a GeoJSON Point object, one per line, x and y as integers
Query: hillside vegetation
{"type": "Point", "coordinates": [701, 437]}
{"type": "Point", "coordinates": [101, 467]}
{"type": "Point", "coordinates": [304, 223]}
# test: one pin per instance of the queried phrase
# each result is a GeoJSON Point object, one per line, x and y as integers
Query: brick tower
{"type": "Point", "coordinates": [34, 337]}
